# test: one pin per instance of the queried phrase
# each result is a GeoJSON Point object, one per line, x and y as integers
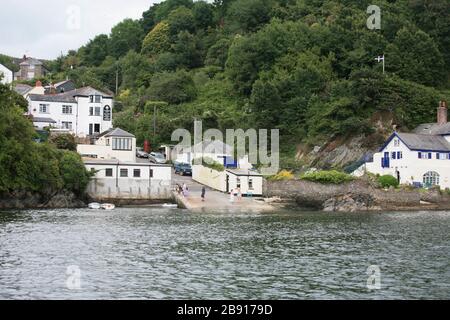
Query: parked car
{"type": "Point", "coordinates": [183, 169]}
{"type": "Point", "coordinates": [157, 157]}
{"type": "Point", "coordinates": [140, 153]}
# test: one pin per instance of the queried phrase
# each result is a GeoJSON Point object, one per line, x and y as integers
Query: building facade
{"type": "Point", "coordinates": [82, 112]}
{"type": "Point", "coordinates": [30, 68]}
{"type": "Point", "coordinates": [8, 75]}
{"type": "Point", "coordinates": [118, 175]}
{"type": "Point", "coordinates": [421, 158]}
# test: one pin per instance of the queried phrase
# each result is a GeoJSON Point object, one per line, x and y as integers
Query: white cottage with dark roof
{"type": "Point", "coordinates": [83, 112]}
{"type": "Point", "coordinates": [118, 174]}
{"type": "Point", "coordinates": [421, 158]}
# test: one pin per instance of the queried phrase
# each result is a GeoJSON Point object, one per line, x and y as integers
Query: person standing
{"type": "Point", "coordinates": [203, 193]}
{"type": "Point", "coordinates": [232, 195]}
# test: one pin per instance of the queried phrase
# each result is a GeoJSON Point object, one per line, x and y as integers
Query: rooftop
{"type": "Point", "coordinates": [22, 88]}
{"type": "Point", "coordinates": [433, 129]}
{"type": "Point", "coordinates": [69, 96]}
{"type": "Point", "coordinates": [117, 132]}
{"type": "Point", "coordinates": [424, 142]}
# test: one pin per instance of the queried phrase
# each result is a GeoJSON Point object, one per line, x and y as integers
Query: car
{"type": "Point", "coordinates": [157, 158]}
{"type": "Point", "coordinates": [140, 153]}
{"type": "Point", "coordinates": [183, 169]}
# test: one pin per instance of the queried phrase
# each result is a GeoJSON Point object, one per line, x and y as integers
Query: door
{"type": "Point", "coordinates": [228, 183]}
{"type": "Point", "coordinates": [97, 128]}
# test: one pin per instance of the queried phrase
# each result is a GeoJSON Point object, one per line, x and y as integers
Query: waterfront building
{"type": "Point", "coordinates": [82, 112]}
{"type": "Point", "coordinates": [118, 174]}
{"type": "Point", "coordinates": [421, 158]}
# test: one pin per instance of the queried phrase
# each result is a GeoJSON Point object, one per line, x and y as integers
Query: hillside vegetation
{"type": "Point", "coordinates": [306, 67]}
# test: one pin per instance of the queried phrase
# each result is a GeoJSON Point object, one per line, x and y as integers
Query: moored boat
{"type": "Point", "coordinates": [94, 205]}
{"type": "Point", "coordinates": [108, 206]}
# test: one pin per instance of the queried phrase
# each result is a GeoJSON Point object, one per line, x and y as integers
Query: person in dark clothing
{"type": "Point", "coordinates": [203, 193]}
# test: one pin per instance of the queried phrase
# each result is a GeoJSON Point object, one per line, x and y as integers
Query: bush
{"type": "Point", "coordinates": [282, 175]}
{"type": "Point", "coordinates": [387, 181]}
{"type": "Point", "coordinates": [64, 141]}
{"type": "Point", "coordinates": [73, 172]}
{"type": "Point", "coordinates": [332, 176]}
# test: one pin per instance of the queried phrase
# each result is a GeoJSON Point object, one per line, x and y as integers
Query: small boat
{"type": "Point", "coordinates": [108, 206]}
{"type": "Point", "coordinates": [94, 205]}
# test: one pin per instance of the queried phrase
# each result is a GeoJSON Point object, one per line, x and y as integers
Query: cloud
{"type": "Point", "coordinates": [44, 29]}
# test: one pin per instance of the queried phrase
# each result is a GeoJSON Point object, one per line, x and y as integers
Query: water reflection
{"type": "Point", "coordinates": [156, 253]}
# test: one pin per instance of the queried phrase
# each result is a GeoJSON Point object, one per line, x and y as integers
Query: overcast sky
{"type": "Point", "coordinates": [42, 29]}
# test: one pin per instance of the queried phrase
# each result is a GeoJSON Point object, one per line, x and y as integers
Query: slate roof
{"type": "Point", "coordinates": [117, 132]}
{"type": "Point", "coordinates": [433, 129]}
{"type": "Point", "coordinates": [69, 96]}
{"type": "Point", "coordinates": [31, 61]}
{"type": "Point", "coordinates": [22, 88]}
{"type": "Point", "coordinates": [424, 142]}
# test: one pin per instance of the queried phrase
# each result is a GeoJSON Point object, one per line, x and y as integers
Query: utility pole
{"type": "Point", "coordinates": [154, 121]}
{"type": "Point", "coordinates": [117, 79]}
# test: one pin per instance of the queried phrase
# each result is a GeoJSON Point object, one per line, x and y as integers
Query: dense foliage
{"type": "Point", "coordinates": [306, 67]}
{"type": "Point", "coordinates": [387, 181]}
{"type": "Point", "coordinates": [29, 166]}
{"type": "Point", "coordinates": [327, 177]}
{"type": "Point", "coordinates": [210, 163]}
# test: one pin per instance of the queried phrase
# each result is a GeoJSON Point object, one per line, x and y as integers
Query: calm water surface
{"type": "Point", "coordinates": [156, 253]}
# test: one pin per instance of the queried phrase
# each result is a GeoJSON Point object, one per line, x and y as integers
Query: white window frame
{"type": "Point", "coordinates": [42, 106]}
{"type": "Point", "coordinates": [67, 109]}
{"type": "Point", "coordinates": [67, 125]}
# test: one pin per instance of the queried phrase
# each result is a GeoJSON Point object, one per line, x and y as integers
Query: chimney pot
{"type": "Point", "coordinates": [442, 113]}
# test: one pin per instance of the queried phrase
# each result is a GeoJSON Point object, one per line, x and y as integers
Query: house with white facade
{"type": "Point", "coordinates": [7, 75]}
{"type": "Point", "coordinates": [237, 173]}
{"type": "Point", "coordinates": [119, 174]}
{"type": "Point", "coordinates": [82, 112]}
{"type": "Point", "coordinates": [421, 158]}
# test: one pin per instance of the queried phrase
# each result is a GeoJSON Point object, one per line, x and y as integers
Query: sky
{"type": "Point", "coordinates": [44, 29]}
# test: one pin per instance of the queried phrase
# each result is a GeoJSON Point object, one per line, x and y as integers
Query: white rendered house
{"type": "Point", "coordinates": [8, 75]}
{"type": "Point", "coordinates": [82, 112]}
{"type": "Point", "coordinates": [421, 158]}
{"type": "Point", "coordinates": [118, 175]}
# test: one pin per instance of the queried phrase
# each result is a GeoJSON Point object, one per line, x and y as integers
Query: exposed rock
{"type": "Point", "coordinates": [29, 200]}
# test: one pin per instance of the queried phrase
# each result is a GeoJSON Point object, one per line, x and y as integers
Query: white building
{"type": "Point", "coordinates": [118, 175]}
{"type": "Point", "coordinates": [421, 158]}
{"type": "Point", "coordinates": [8, 75]}
{"type": "Point", "coordinates": [216, 150]}
{"type": "Point", "coordinates": [83, 112]}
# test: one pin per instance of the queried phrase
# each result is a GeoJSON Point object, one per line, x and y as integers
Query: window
{"type": "Point", "coordinates": [442, 156]}
{"type": "Point", "coordinates": [238, 182]}
{"type": "Point", "coordinates": [394, 155]}
{"type": "Point", "coordinates": [108, 172]}
{"type": "Point", "coordinates": [396, 142]}
{"type": "Point", "coordinates": [137, 173]}
{"type": "Point", "coordinates": [425, 155]}
{"type": "Point", "coordinates": [107, 142]}
{"type": "Point", "coordinates": [66, 109]}
{"type": "Point", "coordinates": [44, 108]}
{"type": "Point", "coordinates": [399, 155]}
{"type": "Point", "coordinates": [121, 144]}
{"type": "Point", "coordinates": [250, 184]}
{"type": "Point", "coordinates": [151, 173]}
{"type": "Point", "coordinates": [124, 173]}
{"type": "Point", "coordinates": [95, 99]}
{"type": "Point", "coordinates": [66, 125]}
{"type": "Point", "coordinates": [91, 111]}
{"type": "Point", "coordinates": [97, 111]}
{"type": "Point", "coordinates": [430, 179]}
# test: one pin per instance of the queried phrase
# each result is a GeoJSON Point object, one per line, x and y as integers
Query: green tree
{"type": "Point", "coordinates": [157, 40]}
{"type": "Point", "coordinates": [172, 87]}
{"type": "Point", "coordinates": [125, 36]}
{"type": "Point", "coordinates": [181, 19]}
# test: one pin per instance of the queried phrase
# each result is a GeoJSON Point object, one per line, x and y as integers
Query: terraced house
{"type": "Point", "coordinates": [83, 112]}
{"type": "Point", "coordinates": [421, 158]}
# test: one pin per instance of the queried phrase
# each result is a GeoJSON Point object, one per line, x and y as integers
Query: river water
{"type": "Point", "coordinates": [161, 253]}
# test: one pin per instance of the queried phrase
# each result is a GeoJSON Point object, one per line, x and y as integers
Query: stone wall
{"type": "Point", "coordinates": [354, 196]}
{"type": "Point", "coordinates": [32, 200]}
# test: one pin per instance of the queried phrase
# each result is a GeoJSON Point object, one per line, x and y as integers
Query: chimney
{"type": "Point", "coordinates": [24, 57]}
{"type": "Point", "coordinates": [442, 113]}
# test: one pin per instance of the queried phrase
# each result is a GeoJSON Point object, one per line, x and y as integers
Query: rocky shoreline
{"type": "Point", "coordinates": [35, 200]}
{"type": "Point", "coordinates": [358, 195]}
